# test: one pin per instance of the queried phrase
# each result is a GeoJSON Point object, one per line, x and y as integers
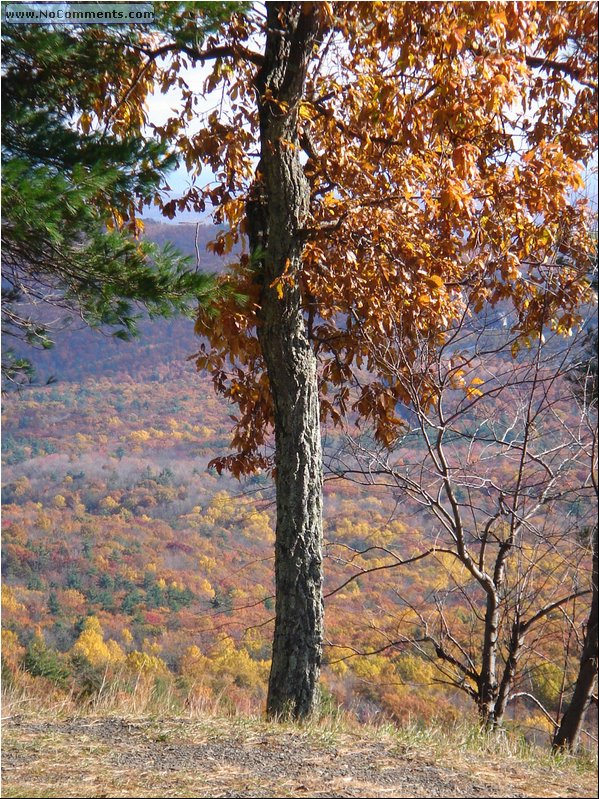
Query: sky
{"type": "Point", "coordinates": [160, 108]}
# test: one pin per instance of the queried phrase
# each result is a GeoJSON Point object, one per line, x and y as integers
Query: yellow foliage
{"type": "Point", "coordinates": [258, 526]}
{"type": "Point", "coordinates": [116, 654]}
{"type": "Point", "coordinates": [193, 663]}
{"type": "Point", "coordinates": [22, 486]}
{"type": "Point", "coordinates": [207, 563]}
{"type": "Point", "coordinates": [12, 651]}
{"type": "Point", "coordinates": [547, 680]}
{"type": "Point", "coordinates": [44, 522]}
{"type": "Point", "coordinates": [109, 503]}
{"type": "Point", "coordinates": [372, 668]}
{"type": "Point", "coordinates": [413, 669]}
{"type": "Point", "coordinates": [206, 588]}
{"type": "Point", "coordinates": [255, 642]}
{"type": "Point", "coordinates": [9, 601]}
{"type": "Point", "coordinates": [150, 647]}
{"type": "Point", "coordinates": [398, 529]}
{"type": "Point", "coordinates": [143, 663]}
{"type": "Point", "coordinates": [221, 508]}
{"type": "Point", "coordinates": [139, 436]}
{"type": "Point", "coordinates": [351, 588]}
{"type": "Point", "coordinates": [237, 665]}
{"type": "Point", "coordinates": [339, 668]}
{"type": "Point", "coordinates": [348, 529]}
{"type": "Point", "coordinates": [91, 644]}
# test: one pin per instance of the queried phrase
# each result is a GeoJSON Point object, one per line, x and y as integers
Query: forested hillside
{"type": "Point", "coordinates": [332, 454]}
{"type": "Point", "coordinates": [127, 558]}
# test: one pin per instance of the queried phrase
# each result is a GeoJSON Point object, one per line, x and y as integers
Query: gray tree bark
{"type": "Point", "coordinates": [509, 673]}
{"type": "Point", "coordinates": [487, 686]}
{"type": "Point", "coordinates": [276, 216]}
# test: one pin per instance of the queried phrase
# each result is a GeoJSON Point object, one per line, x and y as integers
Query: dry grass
{"type": "Point", "coordinates": [55, 751]}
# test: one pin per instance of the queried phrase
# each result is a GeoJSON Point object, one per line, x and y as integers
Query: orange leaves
{"type": "Point", "coordinates": [576, 178]}
{"type": "Point", "coordinates": [223, 243]}
{"type": "Point", "coordinates": [499, 81]}
{"type": "Point", "coordinates": [350, 257]}
{"type": "Point", "coordinates": [285, 278]}
{"type": "Point", "coordinates": [85, 122]}
{"type": "Point", "coordinates": [436, 281]}
{"type": "Point", "coordinates": [464, 158]}
{"type": "Point", "coordinates": [436, 284]}
{"type": "Point", "coordinates": [499, 21]}
{"type": "Point", "coordinates": [238, 465]}
{"type": "Point", "coordinates": [268, 97]}
{"type": "Point", "coordinates": [500, 93]}
{"type": "Point", "coordinates": [455, 40]}
{"type": "Point", "coordinates": [327, 12]}
{"type": "Point", "coordinates": [453, 198]}
{"type": "Point", "coordinates": [441, 161]}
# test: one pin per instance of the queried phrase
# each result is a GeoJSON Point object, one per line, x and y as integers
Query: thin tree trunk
{"type": "Point", "coordinates": [509, 672]}
{"type": "Point", "coordinates": [487, 689]}
{"type": "Point", "coordinates": [568, 733]}
{"type": "Point", "coordinates": [276, 215]}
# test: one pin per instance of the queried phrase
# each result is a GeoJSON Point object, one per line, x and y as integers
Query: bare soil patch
{"type": "Point", "coordinates": [118, 757]}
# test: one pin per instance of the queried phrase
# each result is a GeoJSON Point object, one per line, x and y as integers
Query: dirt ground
{"type": "Point", "coordinates": [115, 757]}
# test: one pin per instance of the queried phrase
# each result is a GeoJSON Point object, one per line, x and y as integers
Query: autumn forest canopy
{"type": "Point", "coordinates": [369, 476]}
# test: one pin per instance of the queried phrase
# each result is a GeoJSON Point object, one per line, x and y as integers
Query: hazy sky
{"type": "Point", "coordinates": [160, 108]}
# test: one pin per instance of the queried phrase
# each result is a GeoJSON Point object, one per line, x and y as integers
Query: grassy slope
{"type": "Point", "coordinates": [50, 754]}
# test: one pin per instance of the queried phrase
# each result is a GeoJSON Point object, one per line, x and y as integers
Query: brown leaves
{"type": "Point", "coordinates": [464, 159]}
{"type": "Point", "coordinates": [441, 160]}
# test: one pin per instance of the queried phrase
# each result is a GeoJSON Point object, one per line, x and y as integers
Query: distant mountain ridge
{"type": "Point", "coordinates": [190, 239]}
{"type": "Point", "coordinates": [80, 352]}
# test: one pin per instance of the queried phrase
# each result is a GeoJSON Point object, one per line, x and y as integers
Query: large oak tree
{"type": "Point", "coordinates": [391, 164]}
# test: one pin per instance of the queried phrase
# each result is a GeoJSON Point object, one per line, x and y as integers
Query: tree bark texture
{"type": "Point", "coordinates": [276, 215]}
{"type": "Point", "coordinates": [509, 672]}
{"type": "Point", "coordinates": [568, 733]}
{"type": "Point", "coordinates": [487, 688]}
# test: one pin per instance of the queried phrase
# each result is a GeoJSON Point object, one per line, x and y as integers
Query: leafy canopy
{"type": "Point", "coordinates": [444, 144]}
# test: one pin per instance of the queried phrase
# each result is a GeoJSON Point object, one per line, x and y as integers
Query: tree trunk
{"type": "Point", "coordinates": [276, 216]}
{"type": "Point", "coordinates": [509, 672]}
{"type": "Point", "coordinates": [568, 732]}
{"type": "Point", "coordinates": [487, 687]}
